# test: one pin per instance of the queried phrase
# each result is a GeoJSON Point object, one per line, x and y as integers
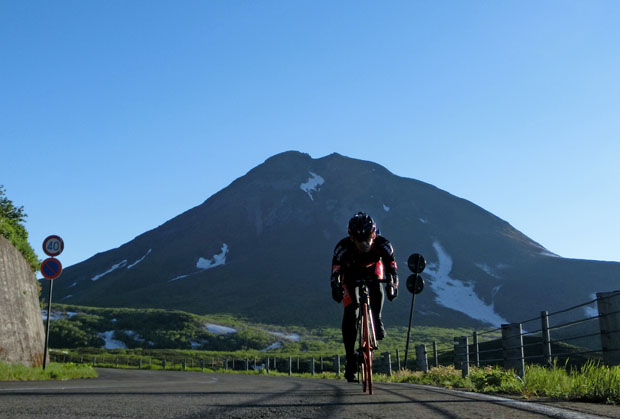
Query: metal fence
{"type": "Point", "coordinates": [269, 364]}
{"type": "Point", "coordinates": [572, 336]}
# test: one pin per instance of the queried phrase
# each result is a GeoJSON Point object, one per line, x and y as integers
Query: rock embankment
{"type": "Point", "coordinates": [22, 336]}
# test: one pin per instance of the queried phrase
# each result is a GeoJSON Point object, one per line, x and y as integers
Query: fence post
{"type": "Point", "coordinates": [140, 364]}
{"type": "Point", "coordinates": [247, 364]}
{"type": "Point", "coordinates": [321, 363]}
{"type": "Point", "coordinates": [267, 365]}
{"type": "Point", "coordinates": [226, 364]}
{"type": "Point", "coordinates": [290, 366]}
{"type": "Point", "coordinates": [609, 322]}
{"type": "Point", "coordinates": [312, 365]}
{"type": "Point", "coordinates": [233, 364]}
{"type": "Point", "coordinates": [476, 349]}
{"type": "Point", "coordinates": [297, 364]}
{"type": "Point", "coordinates": [420, 357]}
{"type": "Point", "coordinates": [202, 365]}
{"type": "Point", "coordinates": [512, 345]}
{"type": "Point", "coordinates": [398, 358]}
{"type": "Point", "coordinates": [546, 337]}
{"type": "Point", "coordinates": [435, 354]}
{"type": "Point", "coordinates": [184, 364]}
{"type": "Point", "coordinates": [337, 362]}
{"type": "Point", "coordinates": [164, 363]}
{"type": "Point", "coordinates": [461, 355]}
{"type": "Point", "coordinates": [388, 360]}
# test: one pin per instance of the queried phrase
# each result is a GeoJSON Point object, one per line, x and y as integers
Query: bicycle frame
{"type": "Point", "coordinates": [367, 339]}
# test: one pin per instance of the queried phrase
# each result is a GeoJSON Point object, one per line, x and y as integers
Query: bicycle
{"type": "Point", "coordinates": [366, 337]}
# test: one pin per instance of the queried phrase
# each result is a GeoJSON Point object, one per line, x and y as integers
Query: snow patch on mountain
{"type": "Point", "coordinates": [312, 185]}
{"type": "Point", "coordinates": [197, 344]}
{"type": "Point", "coordinates": [112, 269]}
{"type": "Point", "coordinates": [490, 271]}
{"type": "Point", "coordinates": [55, 315]}
{"type": "Point", "coordinates": [217, 260]}
{"type": "Point", "coordinates": [386, 208]}
{"type": "Point", "coordinates": [219, 330]}
{"type": "Point", "coordinates": [458, 295]}
{"type": "Point", "coordinates": [592, 309]}
{"type": "Point", "coordinates": [139, 260]}
{"type": "Point", "coordinates": [291, 336]}
{"type": "Point", "coordinates": [110, 342]}
{"type": "Point", "coordinates": [178, 277]}
{"type": "Point", "coordinates": [276, 345]}
{"type": "Point", "coordinates": [423, 220]}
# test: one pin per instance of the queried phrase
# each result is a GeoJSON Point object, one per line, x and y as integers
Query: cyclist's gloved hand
{"type": "Point", "coordinates": [337, 290]}
{"type": "Point", "coordinates": [392, 288]}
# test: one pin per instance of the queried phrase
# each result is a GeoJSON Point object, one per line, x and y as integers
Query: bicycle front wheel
{"type": "Point", "coordinates": [367, 351]}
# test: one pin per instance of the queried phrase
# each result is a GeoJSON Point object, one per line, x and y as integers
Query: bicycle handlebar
{"type": "Point", "coordinates": [370, 280]}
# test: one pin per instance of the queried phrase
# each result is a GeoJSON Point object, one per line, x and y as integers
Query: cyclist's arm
{"type": "Point", "coordinates": [337, 262]}
{"type": "Point", "coordinates": [387, 255]}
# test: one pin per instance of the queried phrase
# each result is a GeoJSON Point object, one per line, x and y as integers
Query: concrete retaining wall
{"type": "Point", "coordinates": [22, 336]}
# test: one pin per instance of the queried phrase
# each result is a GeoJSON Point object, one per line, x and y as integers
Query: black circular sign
{"type": "Point", "coordinates": [415, 284]}
{"type": "Point", "coordinates": [416, 263]}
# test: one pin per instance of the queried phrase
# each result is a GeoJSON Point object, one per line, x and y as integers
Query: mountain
{"type": "Point", "coordinates": [261, 248]}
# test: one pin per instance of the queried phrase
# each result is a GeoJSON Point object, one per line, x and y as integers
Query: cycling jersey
{"type": "Point", "coordinates": [350, 264]}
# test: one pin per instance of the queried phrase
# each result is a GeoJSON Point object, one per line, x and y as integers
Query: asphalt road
{"type": "Point", "coordinates": [172, 394]}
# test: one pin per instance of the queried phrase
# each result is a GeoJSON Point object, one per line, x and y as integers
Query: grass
{"type": "Point", "coordinates": [592, 382]}
{"type": "Point", "coordinates": [53, 371]}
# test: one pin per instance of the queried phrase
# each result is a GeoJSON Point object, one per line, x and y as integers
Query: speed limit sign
{"type": "Point", "coordinates": [53, 245]}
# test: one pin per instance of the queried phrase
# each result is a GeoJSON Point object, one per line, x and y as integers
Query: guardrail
{"type": "Point", "coordinates": [553, 339]}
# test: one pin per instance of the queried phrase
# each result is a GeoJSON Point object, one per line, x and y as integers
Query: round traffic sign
{"type": "Point", "coordinates": [415, 284]}
{"type": "Point", "coordinates": [53, 245]}
{"type": "Point", "coordinates": [51, 268]}
{"type": "Point", "coordinates": [416, 263]}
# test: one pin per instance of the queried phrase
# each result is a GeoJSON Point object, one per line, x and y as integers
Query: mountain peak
{"type": "Point", "coordinates": [289, 156]}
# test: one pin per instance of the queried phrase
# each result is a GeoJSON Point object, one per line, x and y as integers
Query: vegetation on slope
{"type": "Point", "coordinates": [12, 220]}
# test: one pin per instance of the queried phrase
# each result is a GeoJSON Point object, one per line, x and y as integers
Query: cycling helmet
{"type": "Point", "coordinates": [361, 226]}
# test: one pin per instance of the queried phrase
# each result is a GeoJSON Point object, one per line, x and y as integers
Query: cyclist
{"type": "Point", "coordinates": [363, 254]}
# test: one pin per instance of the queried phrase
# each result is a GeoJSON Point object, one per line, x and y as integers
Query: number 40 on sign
{"type": "Point", "coordinates": [53, 246]}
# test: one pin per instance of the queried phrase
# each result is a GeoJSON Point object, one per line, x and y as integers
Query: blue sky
{"type": "Point", "coordinates": [116, 116]}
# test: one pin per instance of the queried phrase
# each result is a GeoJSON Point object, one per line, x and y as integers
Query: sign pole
{"type": "Point", "coordinates": [47, 325]}
{"type": "Point", "coordinates": [409, 330]}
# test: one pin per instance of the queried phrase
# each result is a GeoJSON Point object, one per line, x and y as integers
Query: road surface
{"type": "Point", "coordinates": [173, 394]}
